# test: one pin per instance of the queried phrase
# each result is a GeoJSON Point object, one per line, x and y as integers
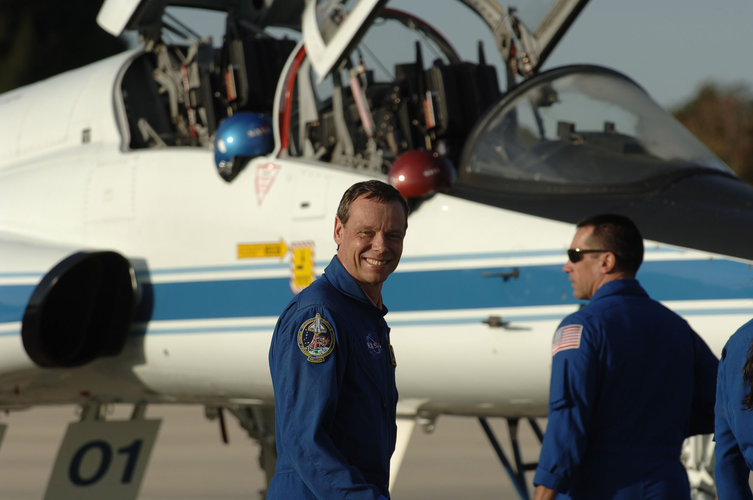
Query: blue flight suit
{"type": "Point", "coordinates": [333, 373]}
{"type": "Point", "coordinates": [630, 381]}
{"type": "Point", "coordinates": [733, 429]}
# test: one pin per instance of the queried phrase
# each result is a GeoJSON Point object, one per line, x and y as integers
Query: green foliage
{"type": "Point", "coordinates": [722, 118]}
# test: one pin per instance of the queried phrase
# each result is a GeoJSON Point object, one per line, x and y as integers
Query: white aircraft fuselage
{"type": "Point", "coordinates": [131, 272]}
{"type": "Point", "coordinates": [207, 338]}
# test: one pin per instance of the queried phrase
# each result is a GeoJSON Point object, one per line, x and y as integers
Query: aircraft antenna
{"type": "Point", "coordinates": [185, 31]}
{"type": "Point", "coordinates": [376, 60]}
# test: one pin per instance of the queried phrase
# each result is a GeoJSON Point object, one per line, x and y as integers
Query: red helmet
{"type": "Point", "coordinates": [417, 174]}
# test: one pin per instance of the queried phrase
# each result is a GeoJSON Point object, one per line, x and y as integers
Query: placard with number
{"type": "Point", "coordinates": [102, 459]}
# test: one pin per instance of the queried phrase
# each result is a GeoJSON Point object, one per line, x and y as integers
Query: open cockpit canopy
{"type": "Point", "coordinates": [177, 94]}
{"type": "Point", "coordinates": [524, 32]}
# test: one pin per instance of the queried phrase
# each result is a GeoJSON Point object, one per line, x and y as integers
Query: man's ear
{"type": "Point", "coordinates": [609, 262]}
{"type": "Point", "coordinates": [338, 230]}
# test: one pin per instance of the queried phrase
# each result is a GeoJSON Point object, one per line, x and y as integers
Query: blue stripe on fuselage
{"type": "Point", "coordinates": [549, 285]}
{"type": "Point", "coordinates": [437, 290]}
{"type": "Point", "coordinates": [221, 299]}
{"type": "Point", "coordinates": [13, 300]}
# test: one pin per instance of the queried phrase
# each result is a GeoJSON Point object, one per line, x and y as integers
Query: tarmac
{"type": "Point", "coordinates": [190, 461]}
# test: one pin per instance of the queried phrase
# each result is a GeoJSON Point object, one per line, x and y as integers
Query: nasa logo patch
{"type": "Point", "coordinates": [373, 345]}
{"type": "Point", "coordinates": [316, 339]}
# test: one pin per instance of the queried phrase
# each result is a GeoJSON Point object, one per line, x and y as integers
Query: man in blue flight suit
{"type": "Point", "coordinates": [332, 364]}
{"type": "Point", "coordinates": [630, 380]}
{"type": "Point", "coordinates": [733, 430]}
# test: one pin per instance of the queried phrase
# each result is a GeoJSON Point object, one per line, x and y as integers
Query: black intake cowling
{"type": "Point", "coordinates": [81, 310]}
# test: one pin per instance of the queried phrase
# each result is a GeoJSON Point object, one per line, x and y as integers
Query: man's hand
{"type": "Point", "coordinates": [544, 493]}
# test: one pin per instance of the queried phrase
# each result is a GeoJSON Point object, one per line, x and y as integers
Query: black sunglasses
{"type": "Point", "coordinates": [576, 254]}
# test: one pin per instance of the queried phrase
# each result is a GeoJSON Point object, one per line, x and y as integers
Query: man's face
{"type": "Point", "coordinates": [371, 243]}
{"type": "Point", "coordinates": [585, 275]}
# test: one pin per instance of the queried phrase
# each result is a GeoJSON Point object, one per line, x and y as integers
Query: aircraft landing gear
{"type": "Point", "coordinates": [259, 423]}
{"type": "Point", "coordinates": [515, 470]}
{"type": "Point", "coordinates": [698, 458]}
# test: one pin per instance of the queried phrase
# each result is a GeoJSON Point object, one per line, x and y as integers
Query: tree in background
{"type": "Point", "coordinates": [41, 38]}
{"type": "Point", "coordinates": [723, 120]}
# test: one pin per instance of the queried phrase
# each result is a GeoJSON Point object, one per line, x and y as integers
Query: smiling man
{"type": "Point", "coordinates": [630, 379]}
{"type": "Point", "coordinates": [332, 364]}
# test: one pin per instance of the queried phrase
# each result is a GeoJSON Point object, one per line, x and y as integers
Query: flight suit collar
{"type": "Point", "coordinates": [339, 278]}
{"type": "Point", "coordinates": [628, 286]}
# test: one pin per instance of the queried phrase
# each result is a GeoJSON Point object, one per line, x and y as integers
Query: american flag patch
{"type": "Point", "coordinates": [566, 337]}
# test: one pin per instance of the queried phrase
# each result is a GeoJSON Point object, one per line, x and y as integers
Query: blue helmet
{"type": "Point", "coordinates": [240, 137]}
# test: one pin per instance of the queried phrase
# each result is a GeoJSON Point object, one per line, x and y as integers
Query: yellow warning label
{"type": "Point", "coordinates": [303, 267]}
{"type": "Point", "coordinates": [261, 250]}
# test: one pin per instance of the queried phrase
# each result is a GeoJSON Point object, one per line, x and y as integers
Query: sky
{"type": "Point", "coordinates": [669, 47]}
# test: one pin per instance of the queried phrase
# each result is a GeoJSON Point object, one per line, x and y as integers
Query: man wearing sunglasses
{"type": "Point", "coordinates": [630, 379]}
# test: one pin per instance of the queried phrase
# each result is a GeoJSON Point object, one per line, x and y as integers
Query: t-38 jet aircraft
{"type": "Point", "coordinates": [160, 207]}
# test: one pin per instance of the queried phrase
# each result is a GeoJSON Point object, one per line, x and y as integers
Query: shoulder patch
{"type": "Point", "coordinates": [566, 337]}
{"type": "Point", "coordinates": [316, 339]}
